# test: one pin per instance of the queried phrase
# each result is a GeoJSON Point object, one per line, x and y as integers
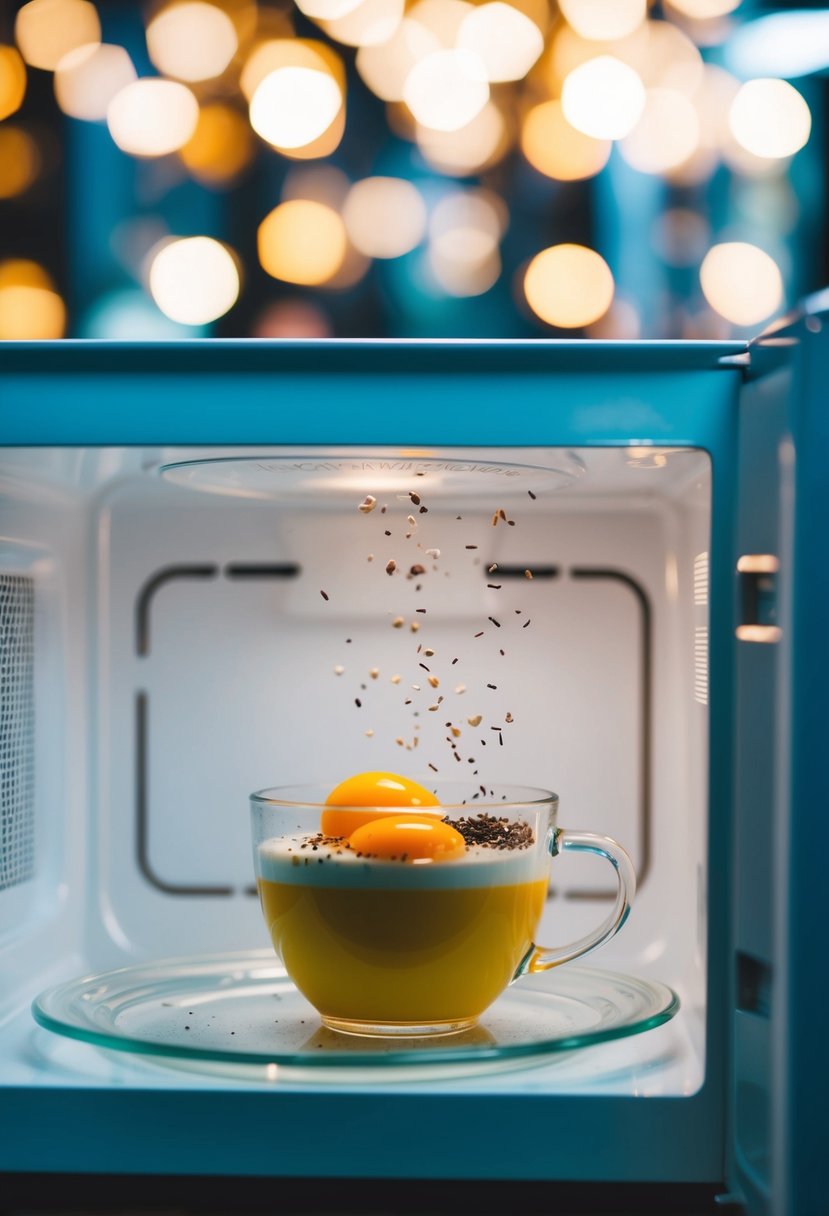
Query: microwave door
{"type": "Point", "coordinates": [781, 829]}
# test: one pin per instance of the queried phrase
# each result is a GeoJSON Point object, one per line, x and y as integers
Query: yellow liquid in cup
{"type": "Point", "coordinates": [409, 955]}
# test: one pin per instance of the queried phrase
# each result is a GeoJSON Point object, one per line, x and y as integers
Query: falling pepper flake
{"type": "Point", "coordinates": [454, 661]}
{"type": "Point", "coordinates": [532, 496]}
{"type": "Point", "coordinates": [509, 718]}
{"type": "Point", "coordinates": [374, 672]}
{"type": "Point", "coordinates": [432, 767]}
{"type": "Point", "coordinates": [415, 625]}
{"type": "Point", "coordinates": [492, 686]}
{"type": "Point", "coordinates": [416, 570]}
{"type": "Point", "coordinates": [399, 741]}
{"type": "Point", "coordinates": [415, 498]}
{"type": "Point", "coordinates": [456, 732]}
{"type": "Point", "coordinates": [495, 586]}
{"type": "Point", "coordinates": [434, 708]}
{"type": "Point", "coordinates": [391, 566]}
{"type": "Point", "coordinates": [420, 609]}
{"type": "Point", "coordinates": [358, 703]}
{"type": "Point", "coordinates": [369, 733]}
{"type": "Point", "coordinates": [434, 681]}
{"type": "Point", "coordinates": [429, 653]}
{"type": "Point", "coordinates": [491, 569]}
{"type": "Point", "coordinates": [411, 521]}
{"type": "Point", "coordinates": [387, 532]}
{"type": "Point", "coordinates": [398, 622]}
{"type": "Point", "coordinates": [460, 688]}
{"type": "Point", "coordinates": [528, 574]}
{"type": "Point", "coordinates": [324, 595]}
{"type": "Point", "coordinates": [470, 546]}
{"type": "Point", "coordinates": [479, 635]}
{"type": "Point", "coordinates": [423, 511]}
{"type": "Point", "coordinates": [526, 623]}
{"type": "Point", "coordinates": [495, 520]}
{"type": "Point", "coordinates": [368, 504]}
{"type": "Point", "coordinates": [497, 624]}
{"type": "Point", "coordinates": [476, 720]}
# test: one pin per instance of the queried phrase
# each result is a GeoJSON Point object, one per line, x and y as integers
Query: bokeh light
{"type": "Point", "coordinates": [385, 217]}
{"type": "Point", "coordinates": [665, 136]}
{"type": "Point", "coordinates": [370, 23]}
{"type": "Point", "coordinates": [472, 148]}
{"type": "Point", "coordinates": [221, 146]}
{"type": "Point", "coordinates": [152, 117]}
{"type": "Point", "coordinates": [194, 280]}
{"type": "Point", "coordinates": [19, 160]}
{"type": "Point", "coordinates": [294, 106]}
{"type": "Point", "coordinates": [191, 41]}
{"type": "Point", "coordinates": [295, 88]}
{"type": "Point", "coordinates": [385, 66]}
{"type": "Point", "coordinates": [604, 20]}
{"type": "Point", "coordinates": [88, 78]}
{"type": "Point", "coordinates": [447, 89]}
{"type": "Point", "coordinates": [568, 286]}
{"type": "Point", "coordinates": [557, 149]}
{"type": "Point", "coordinates": [603, 98]}
{"type": "Point", "coordinates": [741, 282]}
{"type": "Point", "coordinates": [292, 319]}
{"type": "Point", "coordinates": [464, 231]}
{"type": "Point", "coordinates": [302, 241]}
{"type": "Point", "coordinates": [769, 118]}
{"type": "Point", "coordinates": [46, 30]}
{"type": "Point", "coordinates": [442, 18]}
{"type": "Point", "coordinates": [12, 81]}
{"type": "Point", "coordinates": [30, 307]}
{"type": "Point", "coordinates": [506, 41]}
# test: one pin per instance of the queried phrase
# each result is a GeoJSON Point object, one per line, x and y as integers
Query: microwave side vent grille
{"type": "Point", "coordinates": [17, 727]}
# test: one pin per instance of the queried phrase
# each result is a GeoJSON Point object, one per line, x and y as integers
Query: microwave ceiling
{"type": "Point", "coordinates": [439, 476]}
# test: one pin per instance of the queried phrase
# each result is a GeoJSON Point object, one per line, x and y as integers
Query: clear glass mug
{"type": "Point", "coordinates": [396, 946]}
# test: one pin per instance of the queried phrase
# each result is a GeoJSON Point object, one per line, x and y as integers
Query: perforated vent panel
{"type": "Point", "coordinates": [17, 605]}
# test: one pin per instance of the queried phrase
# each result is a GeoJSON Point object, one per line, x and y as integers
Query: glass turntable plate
{"type": "Point", "coordinates": [240, 1015]}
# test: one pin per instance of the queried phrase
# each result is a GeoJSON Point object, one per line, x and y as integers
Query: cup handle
{"type": "Point", "coordinates": [540, 958]}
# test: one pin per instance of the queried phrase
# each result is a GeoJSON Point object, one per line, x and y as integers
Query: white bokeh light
{"type": "Point", "coordinates": [603, 98]}
{"type": "Point", "coordinates": [506, 41]}
{"type": "Point", "coordinates": [192, 41]}
{"type": "Point", "coordinates": [87, 79]}
{"type": "Point", "coordinates": [447, 89]}
{"type": "Point", "coordinates": [152, 117]}
{"type": "Point", "coordinates": [294, 106]}
{"type": "Point", "coordinates": [194, 280]}
{"type": "Point", "coordinates": [769, 118]}
{"type": "Point", "coordinates": [741, 282]}
{"type": "Point", "coordinates": [385, 217]}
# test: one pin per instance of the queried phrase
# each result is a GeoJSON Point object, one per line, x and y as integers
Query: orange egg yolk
{"type": "Point", "coordinates": [370, 790]}
{"type": "Point", "coordinates": [408, 838]}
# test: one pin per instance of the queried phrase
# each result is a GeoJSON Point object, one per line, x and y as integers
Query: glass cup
{"type": "Point", "coordinates": [395, 946]}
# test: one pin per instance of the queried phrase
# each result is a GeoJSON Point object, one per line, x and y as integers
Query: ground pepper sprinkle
{"type": "Point", "coordinates": [493, 832]}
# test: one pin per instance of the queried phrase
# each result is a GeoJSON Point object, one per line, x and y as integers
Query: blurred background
{"type": "Point", "coordinates": [424, 168]}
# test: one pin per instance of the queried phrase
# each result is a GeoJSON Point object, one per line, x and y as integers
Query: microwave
{"type": "Point", "coordinates": [169, 516]}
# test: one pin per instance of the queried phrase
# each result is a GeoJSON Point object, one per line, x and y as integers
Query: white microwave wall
{"type": "Point", "coordinates": [173, 653]}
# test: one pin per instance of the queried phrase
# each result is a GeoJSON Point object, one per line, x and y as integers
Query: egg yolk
{"type": "Point", "coordinates": [372, 790]}
{"type": "Point", "coordinates": [408, 838]}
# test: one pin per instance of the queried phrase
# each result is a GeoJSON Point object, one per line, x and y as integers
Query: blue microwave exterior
{"type": "Point", "coordinates": [455, 393]}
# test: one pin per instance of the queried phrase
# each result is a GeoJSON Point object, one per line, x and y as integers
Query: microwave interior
{"type": "Point", "coordinates": [184, 626]}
